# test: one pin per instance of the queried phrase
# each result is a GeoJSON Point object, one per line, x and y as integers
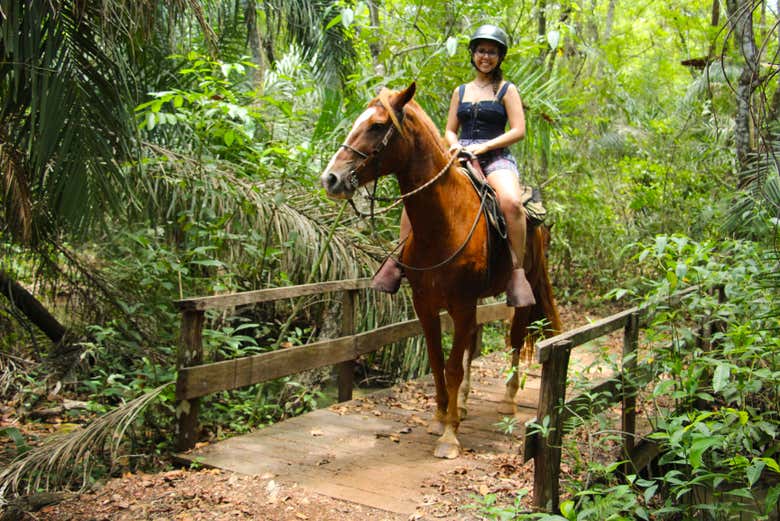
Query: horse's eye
{"type": "Point", "coordinates": [376, 127]}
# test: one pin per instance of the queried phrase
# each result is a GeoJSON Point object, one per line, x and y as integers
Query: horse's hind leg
{"type": "Point", "coordinates": [517, 338]}
{"type": "Point", "coordinates": [471, 353]}
{"type": "Point", "coordinates": [507, 405]}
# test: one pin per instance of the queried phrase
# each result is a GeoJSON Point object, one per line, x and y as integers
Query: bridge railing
{"type": "Point", "coordinates": [553, 410]}
{"type": "Point", "coordinates": [197, 379]}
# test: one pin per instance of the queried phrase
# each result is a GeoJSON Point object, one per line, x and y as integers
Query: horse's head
{"type": "Point", "coordinates": [373, 146]}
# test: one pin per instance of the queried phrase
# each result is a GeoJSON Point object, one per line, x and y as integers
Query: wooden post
{"type": "Point", "coordinates": [628, 373]}
{"type": "Point", "coordinates": [190, 353]}
{"type": "Point", "coordinates": [478, 343]}
{"type": "Point", "coordinates": [552, 396]}
{"type": "Point", "coordinates": [718, 325]}
{"type": "Point", "coordinates": [347, 369]}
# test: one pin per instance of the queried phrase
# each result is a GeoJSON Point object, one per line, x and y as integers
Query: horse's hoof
{"type": "Point", "coordinates": [447, 450]}
{"type": "Point", "coordinates": [507, 408]}
{"type": "Point", "coordinates": [436, 428]}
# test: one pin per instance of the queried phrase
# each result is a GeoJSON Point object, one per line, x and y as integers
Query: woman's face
{"type": "Point", "coordinates": [485, 56]}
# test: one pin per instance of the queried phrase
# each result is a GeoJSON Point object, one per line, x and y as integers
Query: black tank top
{"type": "Point", "coordinates": [484, 119]}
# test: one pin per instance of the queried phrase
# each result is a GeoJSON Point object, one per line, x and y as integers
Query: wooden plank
{"type": "Point", "coordinates": [233, 374]}
{"type": "Point", "coordinates": [270, 294]}
{"type": "Point", "coordinates": [586, 333]}
{"type": "Point", "coordinates": [345, 454]}
{"type": "Point", "coordinates": [190, 353]}
{"type": "Point", "coordinates": [372, 340]}
{"type": "Point", "coordinates": [547, 457]}
{"type": "Point", "coordinates": [642, 454]}
{"type": "Point", "coordinates": [346, 370]}
{"type": "Point", "coordinates": [628, 413]}
{"type": "Point", "coordinates": [582, 334]}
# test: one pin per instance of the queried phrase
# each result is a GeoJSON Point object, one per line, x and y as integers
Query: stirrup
{"type": "Point", "coordinates": [388, 277]}
{"type": "Point", "coordinates": [518, 292]}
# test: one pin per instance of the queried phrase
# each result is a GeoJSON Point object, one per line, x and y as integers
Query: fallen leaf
{"type": "Point", "coordinates": [316, 432]}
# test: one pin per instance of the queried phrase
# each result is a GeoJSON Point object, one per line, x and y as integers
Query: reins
{"type": "Point", "coordinates": [353, 180]}
{"type": "Point", "coordinates": [395, 200]}
{"type": "Point", "coordinates": [457, 252]}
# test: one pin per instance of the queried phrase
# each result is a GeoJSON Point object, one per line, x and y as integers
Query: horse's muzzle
{"type": "Point", "coordinates": [336, 186]}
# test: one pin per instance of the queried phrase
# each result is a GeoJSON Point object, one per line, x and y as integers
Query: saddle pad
{"type": "Point", "coordinates": [532, 201]}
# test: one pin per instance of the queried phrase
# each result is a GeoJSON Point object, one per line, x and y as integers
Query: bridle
{"type": "Point", "coordinates": [352, 179]}
{"type": "Point", "coordinates": [354, 183]}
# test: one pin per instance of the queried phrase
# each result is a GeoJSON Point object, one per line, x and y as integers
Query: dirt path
{"type": "Point", "coordinates": [214, 495]}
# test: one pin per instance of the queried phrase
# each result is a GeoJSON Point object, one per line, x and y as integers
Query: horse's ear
{"type": "Point", "coordinates": [404, 97]}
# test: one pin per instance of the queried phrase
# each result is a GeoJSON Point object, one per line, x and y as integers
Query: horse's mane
{"type": "Point", "coordinates": [415, 113]}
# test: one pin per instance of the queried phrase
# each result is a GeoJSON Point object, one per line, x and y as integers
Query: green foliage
{"type": "Point", "coordinates": [715, 397]}
{"type": "Point", "coordinates": [487, 507]}
{"type": "Point", "coordinates": [216, 117]}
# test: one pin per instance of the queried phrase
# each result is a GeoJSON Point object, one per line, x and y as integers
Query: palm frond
{"type": "Point", "coordinates": [63, 113]}
{"type": "Point", "coordinates": [305, 22]}
{"type": "Point", "coordinates": [64, 461]}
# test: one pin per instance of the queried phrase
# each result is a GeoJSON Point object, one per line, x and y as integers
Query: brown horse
{"type": "Point", "coordinates": [448, 246]}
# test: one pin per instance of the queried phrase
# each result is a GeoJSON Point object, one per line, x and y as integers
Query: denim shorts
{"type": "Point", "coordinates": [499, 159]}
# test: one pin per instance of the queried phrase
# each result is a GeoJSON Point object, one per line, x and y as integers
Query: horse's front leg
{"type": "Point", "coordinates": [465, 320]}
{"type": "Point", "coordinates": [431, 325]}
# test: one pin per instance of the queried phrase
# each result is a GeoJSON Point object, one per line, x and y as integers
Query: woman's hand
{"type": "Point", "coordinates": [477, 149]}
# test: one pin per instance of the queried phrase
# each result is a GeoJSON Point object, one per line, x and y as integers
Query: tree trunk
{"type": "Point", "coordinates": [741, 19]}
{"type": "Point", "coordinates": [541, 29]}
{"type": "Point", "coordinates": [610, 20]}
{"type": "Point", "coordinates": [773, 118]}
{"type": "Point", "coordinates": [375, 47]}
{"type": "Point", "coordinates": [253, 38]}
{"type": "Point", "coordinates": [25, 302]}
{"type": "Point", "coordinates": [592, 23]}
{"type": "Point", "coordinates": [715, 20]}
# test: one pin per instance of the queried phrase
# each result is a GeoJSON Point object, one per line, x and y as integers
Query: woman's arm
{"type": "Point", "coordinates": [451, 132]}
{"type": "Point", "coordinates": [516, 117]}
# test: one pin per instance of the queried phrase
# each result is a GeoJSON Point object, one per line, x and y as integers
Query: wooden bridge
{"type": "Point", "coordinates": [375, 450]}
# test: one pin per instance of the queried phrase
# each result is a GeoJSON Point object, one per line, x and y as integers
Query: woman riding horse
{"type": "Point", "coordinates": [453, 249]}
{"type": "Point", "coordinates": [481, 109]}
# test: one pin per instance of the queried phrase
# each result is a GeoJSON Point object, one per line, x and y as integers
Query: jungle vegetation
{"type": "Point", "coordinates": [156, 150]}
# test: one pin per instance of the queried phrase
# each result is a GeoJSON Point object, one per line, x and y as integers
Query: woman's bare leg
{"type": "Point", "coordinates": [507, 188]}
